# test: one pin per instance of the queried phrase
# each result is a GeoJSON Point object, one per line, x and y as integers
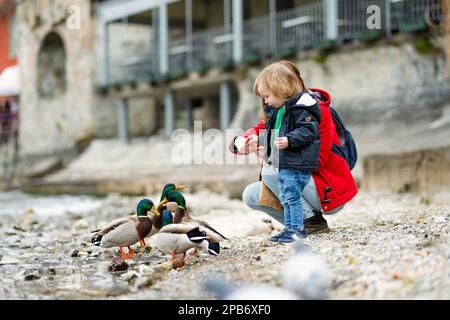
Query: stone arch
{"type": "Point", "coordinates": [51, 67]}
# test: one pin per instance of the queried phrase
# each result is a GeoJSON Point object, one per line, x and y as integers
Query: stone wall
{"type": "Point", "coordinates": [374, 83]}
{"type": "Point", "coordinates": [424, 172]}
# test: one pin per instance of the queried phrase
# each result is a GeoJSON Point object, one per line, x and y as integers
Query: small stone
{"type": "Point", "coordinates": [8, 260]}
{"type": "Point", "coordinates": [144, 269]}
{"type": "Point", "coordinates": [80, 225]}
{"type": "Point", "coordinates": [74, 253]}
{"type": "Point", "coordinates": [19, 229]}
{"type": "Point", "coordinates": [130, 276]}
{"type": "Point", "coordinates": [118, 264]}
{"type": "Point", "coordinates": [31, 277]}
{"type": "Point", "coordinates": [52, 271]}
{"type": "Point", "coordinates": [178, 263]}
{"type": "Point", "coordinates": [143, 282]}
{"type": "Point", "coordinates": [396, 276]}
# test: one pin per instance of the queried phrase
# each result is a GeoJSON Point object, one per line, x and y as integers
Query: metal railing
{"type": "Point", "coordinates": [394, 14]}
{"type": "Point", "coordinates": [415, 11]}
{"type": "Point", "coordinates": [212, 46]}
{"type": "Point", "coordinates": [353, 16]}
{"type": "Point", "coordinates": [294, 29]}
{"type": "Point", "coordinates": [299, 28]}
{"type": "Point", "coordinates": [138, 67]}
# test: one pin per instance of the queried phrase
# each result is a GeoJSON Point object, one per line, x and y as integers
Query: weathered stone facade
{"type": "Point", "coordinates": [56, 101]}
{"type": "Point", "coordinates": [59, 106]}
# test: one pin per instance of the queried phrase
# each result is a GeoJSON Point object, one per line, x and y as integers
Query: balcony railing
{"type": "Point", "coordinates": [291, 30]}
{"type": "Point", "coordinates": [299, 28]}
{"type": "Point", "coordinates": [395, 15]}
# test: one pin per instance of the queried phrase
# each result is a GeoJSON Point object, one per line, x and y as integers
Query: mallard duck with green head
{"type": "Point", "coordinates": [124, 232]}
{"type": "Point", "coordinates": [187, 223]}
{"type": "Point", "coordinates": [165, 191]}
{"type": "Point", "coordinates": [170, 187]}
{"type": "Point", "coordinates": [159, 221]}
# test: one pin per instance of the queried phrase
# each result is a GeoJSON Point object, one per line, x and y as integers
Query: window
{"type": "Point", "coordinates": [51, 67]}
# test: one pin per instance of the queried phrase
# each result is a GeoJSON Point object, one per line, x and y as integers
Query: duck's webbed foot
{"type": "Point", "coordinates": [128, 255]}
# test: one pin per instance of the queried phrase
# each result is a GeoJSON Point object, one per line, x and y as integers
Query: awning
{"type": "Point", "coordinates": [10, 82]}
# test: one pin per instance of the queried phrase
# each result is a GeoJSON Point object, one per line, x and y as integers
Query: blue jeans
{"type": "Point", "coordinates": [292, 183]}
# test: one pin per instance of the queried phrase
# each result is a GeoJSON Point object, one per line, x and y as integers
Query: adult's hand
{"type": "Point", "coordinates": [246, 145]}
{"type": "Point", "coordinates": [252, 142]}
{"type": "Point", "coordinates": [241, 145]}
{"type": "Point", "coordinates": [260, 152]}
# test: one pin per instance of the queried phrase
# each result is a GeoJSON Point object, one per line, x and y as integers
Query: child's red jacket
{"type": "Point", "coordinates": [333, 170]}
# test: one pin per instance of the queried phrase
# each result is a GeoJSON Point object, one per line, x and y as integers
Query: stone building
{"type": "Point", "coordinates": [116, 68]}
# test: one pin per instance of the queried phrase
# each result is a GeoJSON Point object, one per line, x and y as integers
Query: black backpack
{"type": "Point", "coordinates": [347, 149]}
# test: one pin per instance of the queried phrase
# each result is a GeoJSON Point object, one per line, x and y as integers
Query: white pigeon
{"type": "Point", "coordinates": [306, 274]}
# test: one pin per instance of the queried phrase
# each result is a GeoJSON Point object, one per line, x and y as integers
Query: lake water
{"type": "Point", "coordinates": [17, 202]}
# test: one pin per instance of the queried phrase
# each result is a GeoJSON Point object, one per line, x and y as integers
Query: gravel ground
{"type": "Point", "coordinates": [382, 246]}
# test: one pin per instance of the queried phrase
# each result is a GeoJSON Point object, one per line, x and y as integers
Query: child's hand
{"type": "Point", "coordinates": [281, 143]}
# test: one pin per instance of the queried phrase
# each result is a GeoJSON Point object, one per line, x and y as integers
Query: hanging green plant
{"type": "Point", "coordinates": [284, 53]}
{"type": "Point", "coordinates": [320, 58]}
{"type": "Point", "coordinates": [370, 35]}
{"type": "Point", "coordinates": [225, 64]}
{"type": "Point", "coordinates": [102, 89]}
{"type": "Point", "coordinates": [424, 45]}
{"type": "Point", "coordinates": [161, 78]}
{"type": "Point", "coordinates": [325, 44]}
{"type": "Point", "coordinates": [251, 59]}
{"type": "Point", "coordinates": [177, 74]}
{"type": "Point", "coordinates": [416, 26]}
{"type": "Point", "coordinates": [201, 69]}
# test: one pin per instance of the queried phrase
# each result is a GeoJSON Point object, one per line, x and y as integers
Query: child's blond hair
{"type": "Point", "coordinates": [282, 78]}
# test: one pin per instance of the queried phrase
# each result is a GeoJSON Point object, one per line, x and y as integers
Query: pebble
{"type": "Point", "coordinates": [118, 264]}
{"type": "Point", "coordinates": [8, 260]}
{"type": "Point", "coordinates": [80, 225]}
{"type": "Point", "coordinates": [32, 276]}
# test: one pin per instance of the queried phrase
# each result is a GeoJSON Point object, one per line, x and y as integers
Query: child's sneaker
{"type": "Point", "coordinates": [300, 234]}
{"type": "Point", "coordinates": [293, 235]}
{"type": "Point", "coordinates": [277, 237]}
{"type": "Point", "coordinates": [287, 237]}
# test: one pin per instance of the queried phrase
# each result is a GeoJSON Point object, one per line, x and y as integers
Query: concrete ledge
{"type": "Point", "coordinates": [425, 172]}
{"type": "Point", "coordinates": [232, 187]}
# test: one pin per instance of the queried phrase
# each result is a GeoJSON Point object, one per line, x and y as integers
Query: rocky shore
{"type": "Point", "coordinates": [382, 246]}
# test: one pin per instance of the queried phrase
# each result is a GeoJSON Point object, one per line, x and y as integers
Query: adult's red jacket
{"type": "Point", "coordinates": [333, 173]}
